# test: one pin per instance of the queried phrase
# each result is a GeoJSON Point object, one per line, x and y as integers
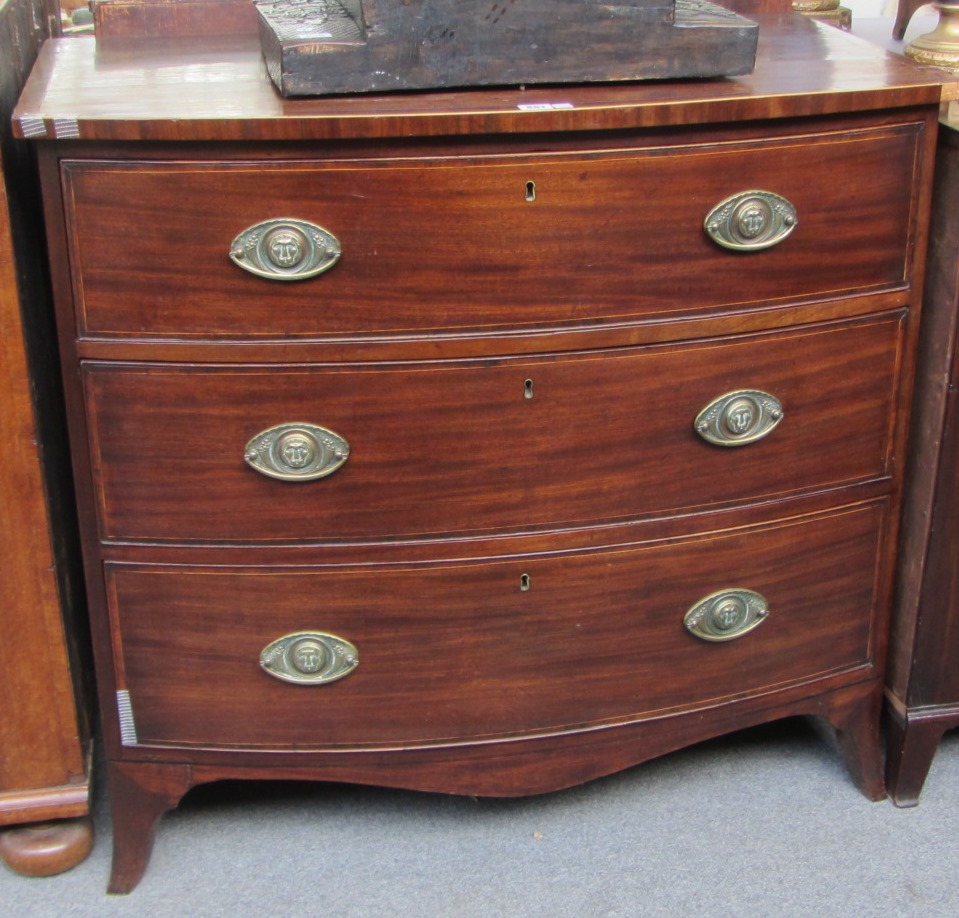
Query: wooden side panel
{"type": "Point", "coordinates": [42, 736]}
{"type": "Point", "coordinates": [928, 538]}
{"type": "Point", "coordinates": [925, 657]}
{"type": "Point", "coordinates": [39, 743]}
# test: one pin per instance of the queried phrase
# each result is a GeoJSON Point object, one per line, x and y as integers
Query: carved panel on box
{"type": "Point", "coordinates": [320, 47]}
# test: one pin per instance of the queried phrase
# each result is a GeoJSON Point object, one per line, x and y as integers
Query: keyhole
{"type": "Point", "coordinates": [531, 191]}
{"type": "Point", "coordinates": [528, 389]}
{"type": "Point", "coordinates": [524, 582]}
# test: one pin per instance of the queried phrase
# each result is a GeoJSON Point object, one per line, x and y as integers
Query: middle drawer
{"type": "Point", "coordinates": [485, 445]}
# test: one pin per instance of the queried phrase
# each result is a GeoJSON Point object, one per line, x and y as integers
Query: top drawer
{"type": "Point", "coordinates": [456, 243]}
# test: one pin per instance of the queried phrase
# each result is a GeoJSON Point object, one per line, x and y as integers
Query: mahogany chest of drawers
{"type": "Point", "coordinates": [482, 442]}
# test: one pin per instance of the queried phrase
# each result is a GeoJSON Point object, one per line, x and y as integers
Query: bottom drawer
{"type": "Point", "coordinates": [464, 651]}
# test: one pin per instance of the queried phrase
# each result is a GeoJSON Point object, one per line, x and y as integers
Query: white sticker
{"type": "Point", "coordinates": [545, 106]}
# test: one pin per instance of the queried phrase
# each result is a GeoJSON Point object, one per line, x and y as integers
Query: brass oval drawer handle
{"type": "Point", "coordinates": [726, 615]}
{"type": "Point", "coordinates": [309, 658]}
{"type": "Point", "coordinates": [739, 417]}
{"type": "Point", "coordinates": [296, 452]}
{"type": "Point", "coordinates": [750, 221]}
{"type": "Point", "coordinates": [285, 249]}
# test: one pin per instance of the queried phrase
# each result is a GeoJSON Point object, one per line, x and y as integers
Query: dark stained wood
{"type": "Point", "coordinates": [43, 733]}
{"type": "Point", "coordinates": [858, 736]}
{"type": "Point", "coordinates": [596, 639]}
{"type": "Point", "coordinates": [904, 13]}
{"type": "Point", "coordinates": [141, 794]}
{"type": "Point", "coordinates": [348, 46]}
{"type": "Point", "coordinates": [465, 224]}
{"type": "Point", "coordinates": [511, 769]}
{"type": "Point", "coordinates": [168, 441]}
{"type": "Point", "coordinates": [619, 516]}
{"type": "Point", "coordinates": [924, 670]}
{"type": "Point", "coordinates": [136, 93]}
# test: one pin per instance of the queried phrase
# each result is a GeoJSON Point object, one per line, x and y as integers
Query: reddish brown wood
{"type": "Point", "coordinates": [145, 790]}
{"type": "Point", "coordinates": [597, 638]}
{"type": "Point", "coordinates": [43, 732]}
{"type": "Point", "coordinates": [596, 488]}
{"type": "Point", "coordinates": [465, 225]}
{"type": "Point", "coordinates": [140, 795]}
{"type": "Point", "coordinates": [121, 20]}
{"type": "Point", "coordinates": [519, 767]}
{"type": "Point", "coordinates": [121, 102]}
{"type": "Point", "coordinates": [924, 667]}
{"type": "Point", "coordinates": [490, 458]}
{"type": "Point", "coordinates": [45, 849]}
{"type": "Point", "coordinates": [858, 735]}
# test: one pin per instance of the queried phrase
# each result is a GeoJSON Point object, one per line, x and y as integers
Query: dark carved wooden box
{"type": "Point", "coordinates": [319, 47]}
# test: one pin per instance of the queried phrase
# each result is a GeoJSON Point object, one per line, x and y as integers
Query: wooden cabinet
{"type": "Point", "coordinates": [44, 737]}
{"type": "Point", "coordinates": [923, 694]}
{"type": "Point", "coordinates": [482, 442]}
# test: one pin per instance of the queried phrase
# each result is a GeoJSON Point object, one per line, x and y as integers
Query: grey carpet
{"type": "Point", "coordinates": [762, 823]}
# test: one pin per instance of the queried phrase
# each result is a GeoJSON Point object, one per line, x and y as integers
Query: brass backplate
{"type": "Point", "coordinates": [751, 221]}
{"type": "Point", "coordinates": [285, 249]}
{"type": "Point", "coordinates": [296, 452]}
{"type": "Point", "coordinates": [738, 418]}
{"type": "Point", "coordinates": [726, 615]}
{"type": "Point", "coordinates": [309, 658]}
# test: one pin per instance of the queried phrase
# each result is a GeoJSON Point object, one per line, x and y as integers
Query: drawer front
{"type": "Point", "coordinates": [462, 447]}
{"type": "Point", "coordinates": [482, 242]}
{"type": "Point", "coordinates": [460, 651]}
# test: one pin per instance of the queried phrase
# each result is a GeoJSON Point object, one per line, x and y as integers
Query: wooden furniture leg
{"type": "Point", "coordinates": [140, 794]}
{"type": "Point", "coordinates": [856, 721]}
{"type": "Point", "coordinates": [905, 12]}
{"type": "Point", "coordinates": [46, 848]}
{"type": "Point", "coordinates": [912, 746]}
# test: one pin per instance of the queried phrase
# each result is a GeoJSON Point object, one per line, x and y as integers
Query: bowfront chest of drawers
{"type": "Point", "coordinates": [486, 442]}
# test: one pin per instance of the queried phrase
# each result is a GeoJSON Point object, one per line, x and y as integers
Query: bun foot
{"type": "Point", "coordinates": [48, 848]}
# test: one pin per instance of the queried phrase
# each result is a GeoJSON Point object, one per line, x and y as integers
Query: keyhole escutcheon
{"type": "Point", "coordinates": [531, 192]}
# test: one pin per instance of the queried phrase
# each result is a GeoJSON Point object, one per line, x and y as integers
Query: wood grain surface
{"type": "Point", "coordinates": [441, 448]}
{"type": "Point", "coordinates": [456, 299]}
{"type": "Point", "coordinates": [43, 732]}
{"type": "Point", "coordinates": [136, 92]}
{"type": "Point", "coordinates": [458, 243]}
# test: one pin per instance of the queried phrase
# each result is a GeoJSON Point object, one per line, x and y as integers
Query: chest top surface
{"type": "Point", "coordinates": [220, 90]}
